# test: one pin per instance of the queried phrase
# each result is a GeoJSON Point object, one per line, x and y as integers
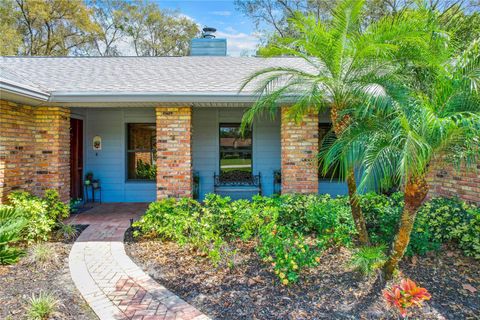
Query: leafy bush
{"type": "Point", "coordinates": [43, 306]}
{"type": "Point", "coordinates": [11, 226]}
{"type": "Point", "coordinates": [368, 259]}
{"type": "Point", "coordinates": [441, 220]}
{"type": "Point", "coordinates": [287, 250]}
{"type": "Point", "coordinates": [41, 214]}
{"type": "Point", "coordinates": [185, 222]}
{"type": "Point", "coordinates": [291, 230]}
{"type": "Point", "coordinates": [382, 214]}
{"type": "Point", "coordinates": [331, 220]}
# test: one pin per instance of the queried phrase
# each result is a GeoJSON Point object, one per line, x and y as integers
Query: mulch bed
{"type": "Point", "coordinates": [330, 291]}
{"type": "Point", "coordinates": [20, 281]}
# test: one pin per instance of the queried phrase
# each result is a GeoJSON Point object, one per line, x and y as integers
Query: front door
{"type": "Point", "coordinates": [76, 158]}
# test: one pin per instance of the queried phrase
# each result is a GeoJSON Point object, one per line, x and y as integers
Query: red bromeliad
{"type": "Point", "coordinates": [406, 295]}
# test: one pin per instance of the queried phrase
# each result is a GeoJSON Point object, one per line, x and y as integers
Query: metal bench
{"type": "Point", "coordinates": [237, 182]}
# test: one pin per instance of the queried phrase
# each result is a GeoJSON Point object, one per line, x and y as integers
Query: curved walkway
{"type": "Point", "coordinates": [112, 284]}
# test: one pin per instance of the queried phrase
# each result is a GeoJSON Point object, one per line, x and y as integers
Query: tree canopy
{"type": "Point", "coordinates": [93, 27]}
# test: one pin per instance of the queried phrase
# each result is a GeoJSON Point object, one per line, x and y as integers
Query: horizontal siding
{"type": "Point", "coordinates": [108, 165]}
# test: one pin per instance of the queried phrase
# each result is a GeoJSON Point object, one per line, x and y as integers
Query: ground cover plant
{"type": "Point", "coordinates": [303, 248]}
{"type": "Point", "coordinates": [291, 231]}
{"type": "Point", "coordinates": [34, 246]}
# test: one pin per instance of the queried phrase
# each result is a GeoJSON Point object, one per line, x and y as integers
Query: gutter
{"type": "Point", "coordinates": [155, 97]}
{"type": "Point", "coordinates": [23, 90]}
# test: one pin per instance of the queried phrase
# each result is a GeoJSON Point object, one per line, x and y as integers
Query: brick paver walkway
{"type": "Point", "coordinates": [112, 284]}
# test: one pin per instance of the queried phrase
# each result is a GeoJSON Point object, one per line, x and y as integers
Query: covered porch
{"type": "Point", "coordinates": [148, 153]}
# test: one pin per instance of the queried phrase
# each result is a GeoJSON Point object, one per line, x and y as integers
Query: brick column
{"type": "Point", "coordinates": [299, 153]}
{"type": "Point", "coordinates": [174, 152]}
{"type": "Point", "coordinates": [34, 149]}
{"type": "Point", "coordinates": [52, 150]}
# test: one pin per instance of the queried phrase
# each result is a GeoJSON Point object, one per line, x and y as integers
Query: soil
{"type": "Point", "coordinates": [20, 281]}
{"type": "Point", "coordinates": [332, 290]}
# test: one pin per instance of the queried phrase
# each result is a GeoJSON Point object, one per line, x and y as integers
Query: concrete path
{"type": "Point", "coordinates": [112, 284]}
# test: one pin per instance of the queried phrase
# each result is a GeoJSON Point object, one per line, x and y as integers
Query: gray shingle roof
{"type": "Point", "coordinates": [189, 75]}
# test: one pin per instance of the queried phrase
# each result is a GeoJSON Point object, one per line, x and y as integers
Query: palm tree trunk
{"type": "Point", "coordinates": [416, 190]}
{"type": "Point", "coordinates": [338, 127]}
{"type": "Point", "coordinates": [357, 213]}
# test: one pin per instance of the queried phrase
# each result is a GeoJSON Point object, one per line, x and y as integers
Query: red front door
{"type": "Point", "coordinates": [76, 158]}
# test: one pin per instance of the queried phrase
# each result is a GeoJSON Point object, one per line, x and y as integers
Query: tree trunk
{"type": "Point", "coordinates": [338, 127]}
{"type": "Point", "coordinates": [416, 190]}
{"type": "Point", "coordinates": [357, 213]}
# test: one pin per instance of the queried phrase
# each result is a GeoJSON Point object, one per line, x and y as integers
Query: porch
{"type": "Point", "coordinates": [149, 153]}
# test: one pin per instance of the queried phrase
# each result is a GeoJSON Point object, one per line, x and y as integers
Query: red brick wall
{"type": "Point", "coordinates": [34, 149]}
{"type": "Point", "coordinates": [299, 142]}
{"type": "Point", "coordinates": [447, 180]}
{"type": "Point", "coordinates": [174, 152]}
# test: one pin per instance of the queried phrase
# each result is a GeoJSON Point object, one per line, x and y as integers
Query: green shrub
{"type": "Point", "coordinates": [468, 233]}
{"type": "Point", "coordinates": [331, 220]}
{"type": "Point", "coordinates": [287, 250]}
{"type": "Point", "coordinates": [368, 259]}
{"type": "Point", "coordinates": [382, 215]}
{"type": "Point", "coordinates": [293, 210]}
{"type": "Point", "coordinates": [185, 222]}
{"type": "Point", "coordinates": [11, 226]}
{"type": "Point", "coordinates": [42, 306]}
{"type": "Point", "coordinates": [441, 220]}
{"type": "Point", "coordinates": [41, 214]}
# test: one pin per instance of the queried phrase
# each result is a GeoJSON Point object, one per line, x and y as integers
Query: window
{"type": "Point", "coordinates": [323, 130]}
{"type": "Point", "coordinates": [235, 150]}
{"type": "Point", "coordinates": [141, 152]}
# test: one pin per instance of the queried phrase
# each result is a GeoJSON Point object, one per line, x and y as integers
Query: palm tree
{"type": "Point", "coordinates": [397, 140]}
{"type": "Point", "coordinates": [346, 63]}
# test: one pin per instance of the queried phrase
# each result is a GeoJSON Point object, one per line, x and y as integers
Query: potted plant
{"type": "Point", "coordinates": [95, 183]}
{"type": "Point", "coordinates": [88, 178]}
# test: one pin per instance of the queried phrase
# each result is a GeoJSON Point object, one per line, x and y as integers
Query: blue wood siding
{"type": "Point", "coordinates": [205, 145]}
{"type": "Point", "coordinates": [108, 165]}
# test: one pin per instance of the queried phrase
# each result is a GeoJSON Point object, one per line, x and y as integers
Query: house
{"type": "Point", "coordinates": [153, 127]}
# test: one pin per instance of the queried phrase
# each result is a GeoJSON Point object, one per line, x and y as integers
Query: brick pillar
{"type": "Point", "coordinates": [299, 153]}
{"type": "Point", "coordinates": [34, 149]}
{"type": "Point", "coordinates": [52, 150]}
{"type": "Point", "coordinates": [174, 152]}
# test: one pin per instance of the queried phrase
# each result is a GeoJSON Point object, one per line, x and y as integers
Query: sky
{"type": "Point", "coordinates": [220, 14]}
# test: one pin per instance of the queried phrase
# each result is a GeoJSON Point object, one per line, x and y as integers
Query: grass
{"type": "Point", "coordinates": [67, 231]}
{"type": "Point", "coordinates": [42, 255]}
{"type": "Point", "coordinates": [42, 306]}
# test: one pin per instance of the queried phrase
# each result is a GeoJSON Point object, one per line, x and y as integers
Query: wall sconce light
{"type": "Point", "coordinates": [97, 144]}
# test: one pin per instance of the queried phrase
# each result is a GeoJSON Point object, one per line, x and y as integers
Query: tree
{"type": "Point", "coordinates": [48, 27]}
{"type": "Point", "coordinates": [345, 62]}
{"type": "Point", "coordinates": [159, 33]}
{"type": "Point", "coordinates": [112, 20]}
{"type": "Point", "coordinates": [11, 39]}
{"type": "Point", "coordinates": [398, 139]}
{"type": "Point", "coordinates": [271, 16]}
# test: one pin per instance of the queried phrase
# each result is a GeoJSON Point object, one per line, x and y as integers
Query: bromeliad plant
{"type": "Point", "coordinates": [343, 64]}
{"type": "Point", "coordinates": [405, 295]}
